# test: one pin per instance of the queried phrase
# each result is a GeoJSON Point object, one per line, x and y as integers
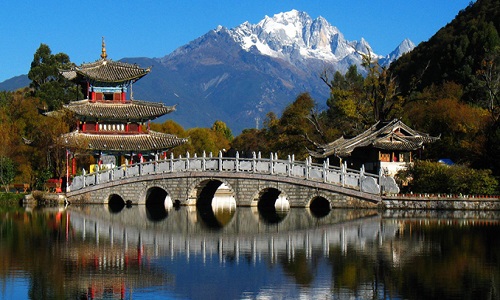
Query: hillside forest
{"type": "Point", "coordinates": [447, 86]}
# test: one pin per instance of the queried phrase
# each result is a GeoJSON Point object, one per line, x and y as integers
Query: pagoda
{"type": "Point", "coordinates": [386, 146]}
{"type": "Point", "coordinates": [108, 125]}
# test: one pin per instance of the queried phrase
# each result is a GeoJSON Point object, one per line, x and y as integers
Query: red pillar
{"type": "Point", "coordinates": [73, 166]}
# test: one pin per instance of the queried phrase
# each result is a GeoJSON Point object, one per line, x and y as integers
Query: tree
{"type": "Point", "coordinates": [7, 172]}
{"type": "Point", "coordinates": [346, 109]}
{"type": "Point", "coordinates": [432, 177]}
{"type": "Point", "coordinates": [461, 126]}
{"type": "Point", "coordinates": [202, 139]}
{"type": "Point", "coordinates": [222, 128]}
{"type": "Point", "coordinates": [489, 80]}
{"type": "Point", "coordinates": [381, 90]}
{"type": "Point", "coordinates": [294, 128]}
{"type": "Point", "coordinates": [170, 127]}
{"type": "Point", "coordinates": [47, 82]}
{"type": "Point", "coordinates": [356, 103]}
{"type": "Point", "coordinates": [251, 140]}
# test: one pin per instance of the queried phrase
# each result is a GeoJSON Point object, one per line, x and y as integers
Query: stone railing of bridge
{"type": "Point", "coordinates": [357, 180]}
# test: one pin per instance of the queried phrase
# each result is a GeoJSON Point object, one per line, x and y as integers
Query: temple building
{"type": "Point", "coordinates": [385, 146]}
{"type": "Point", "coordinates": [110, 127]}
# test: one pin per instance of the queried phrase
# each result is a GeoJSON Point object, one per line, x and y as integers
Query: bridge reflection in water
{"type": "Point", "coordinates": [229, 232]}
{"type": "Point", "coordinates": [190, 252]}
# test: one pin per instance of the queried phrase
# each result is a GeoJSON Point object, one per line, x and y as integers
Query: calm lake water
{"type": "Point", "coordinates": [90, 252]}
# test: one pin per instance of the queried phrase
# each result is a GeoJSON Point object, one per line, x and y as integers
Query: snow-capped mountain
{"type": "Point", "coordinates": [295, 37]}
{"type": "Point", "coordinates": [238, 75]}
{"type": "Point", "coordinates": [404, 47]}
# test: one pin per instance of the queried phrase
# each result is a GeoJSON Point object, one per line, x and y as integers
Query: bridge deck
{"type": "Point", "coordinates": [340, 179]}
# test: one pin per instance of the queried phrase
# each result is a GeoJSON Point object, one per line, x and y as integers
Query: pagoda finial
{"type": "Point", "coordinates": [103, 53]}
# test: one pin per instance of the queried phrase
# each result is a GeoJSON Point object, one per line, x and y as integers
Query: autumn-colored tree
{"type": "Point", "coordinates": [202, 140]}
{"type": "Point", "coordinates": [30, 138]}
{"type": "Point", "coordinates": [461, 126]}
{"type": "Point", "coordinates": [295, 128]}
{"type": "Point", "coordinates": [251, 140]}
{"type": "Point", "coordinates": [222, 128]}
{"type": "Point", "coordinates": [170, 127]}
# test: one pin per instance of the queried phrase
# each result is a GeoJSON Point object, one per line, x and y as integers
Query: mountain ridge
{"type": "Point", "coordinates": [238, 75]}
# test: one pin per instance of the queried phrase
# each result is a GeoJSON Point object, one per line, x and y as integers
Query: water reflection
{"type": "Point", "coordinates": [90, 252]}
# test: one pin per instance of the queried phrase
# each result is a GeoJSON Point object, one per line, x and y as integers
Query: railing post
{"type": "Point", "coordinates": [83, 172]}
{"type": "Point", "coordinates": [171, 163]}
{"type": "Point", "coordinates": [289, 165]}
{"type": "Point", "coordinates": [204, 162]}
{"type": "Point", "coordinates": [236, 164]}
{"type": "Point", "coordinates": [254, 163]}
{"type": "Point", "coordinates": [220, 161]}
{"type": "Point", "coordinates": [307, 167]}
{"type": "Point", "coordinates": [271, 165]}
{"type": "Point", "coordinates": [344, 172]}
{"type": "Point", "coordinates": [381, 187]}
{"type": "Point", "coordinates": [187, 161]}
{"type": "Point", "coordinates": [325, 170]}
{"type": "Point", "coordinates": [361, 175]}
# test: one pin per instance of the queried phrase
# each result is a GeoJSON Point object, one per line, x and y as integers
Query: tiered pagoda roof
{"type": "Point", "coordinates": [393, 135]}
{"type": "Point", "coordinates": [150, 141]}
{"type": "Point", "coordinates": [130, 110]}
{"type": "Point", "coordinates": [106, 70]}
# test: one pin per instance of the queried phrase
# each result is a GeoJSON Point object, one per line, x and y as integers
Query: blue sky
{"type": "Point", "coordinates": [154, 28]}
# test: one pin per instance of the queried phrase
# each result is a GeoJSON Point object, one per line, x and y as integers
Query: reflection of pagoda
{"type": "Point", "coordinates": [108, 123]}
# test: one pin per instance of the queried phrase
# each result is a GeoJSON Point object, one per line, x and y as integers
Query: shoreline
{"type": "Point", "coordinates": [440, 202]}
{"type": "Point", "coordinates": [388, 202]}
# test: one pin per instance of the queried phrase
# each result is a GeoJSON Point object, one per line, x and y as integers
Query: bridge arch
{"type": "Point", "coordinates": [269, 196]}
{"type": "Point", "coordinates": [115, 203]}
{"type": "Point", "coordinates": [215, 201]}
{"type": "Point", "coordinates": [158, 203]}
{"type": "Point", "coordinates": [320, 206]}
{"type": "Point", "coordinates": [271, 203]}
{"type": "Point", "coordinates": [203, 192]}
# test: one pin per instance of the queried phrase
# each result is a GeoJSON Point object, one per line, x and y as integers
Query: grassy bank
{"type": "Point", "coordinates": [10, 199]}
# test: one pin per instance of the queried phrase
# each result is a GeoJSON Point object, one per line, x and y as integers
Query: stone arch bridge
{"type": "Point", "coordinates": [252, 181]}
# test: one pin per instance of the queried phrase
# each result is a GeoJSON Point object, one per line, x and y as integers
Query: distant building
{"type": "Point", "coordinates": [386, 146]}
{"type": "Point", "coordinates": [109, 126]}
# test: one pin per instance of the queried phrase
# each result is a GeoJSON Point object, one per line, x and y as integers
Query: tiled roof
{"type": "Point", "coordinates": [393, 135]}
{"type": "Point", "coordinates": [151, 141]}
{"type": "Point", "coordinates": [130, 110]}
{"type": "Point", "coordinates": [106, 70]}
